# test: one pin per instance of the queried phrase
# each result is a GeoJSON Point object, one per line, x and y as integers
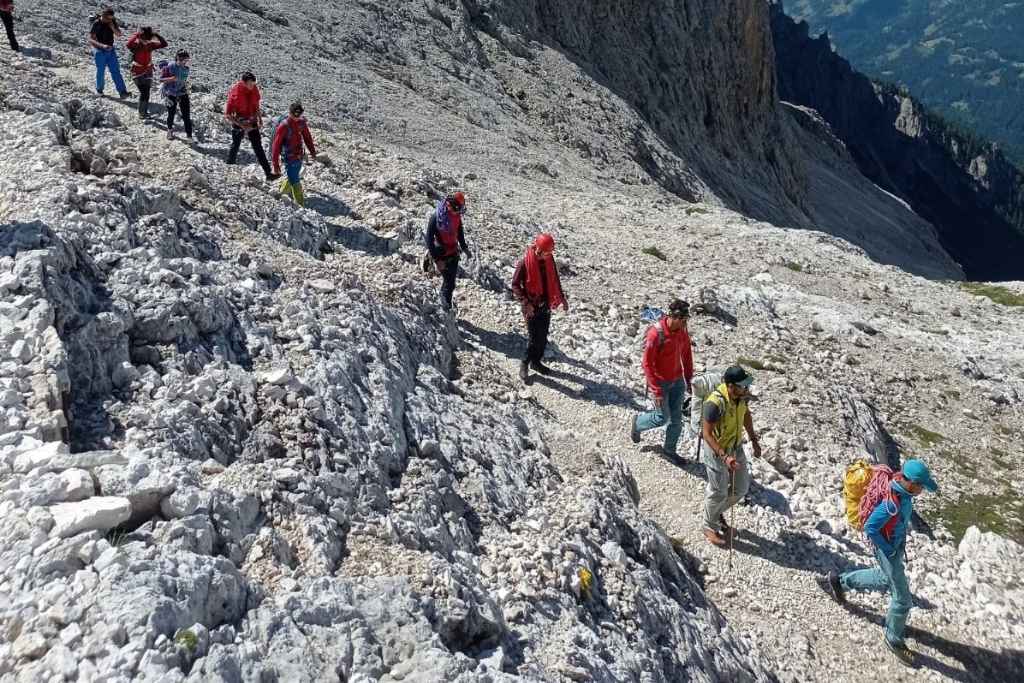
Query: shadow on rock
{"type": "Point", "coordinates": [793, 550]}
{"type": "Point", "coordinates": [600, 393]}
{"type": "Point", "coordinates": [979, 664]}
{"type": "Point", "coordinates": [328, 206]}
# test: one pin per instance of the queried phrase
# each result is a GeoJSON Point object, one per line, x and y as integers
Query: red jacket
{"type": "Point", "coordinates": [142, 53]}
{"type": "Point", "coordinates": [243, 102]}
{"type": "Point", "coordinates": [6, 5]}
{"type": "Point", "coordinates": [289, 136]}
{"type": "Point", "coordinates": [667, 356]}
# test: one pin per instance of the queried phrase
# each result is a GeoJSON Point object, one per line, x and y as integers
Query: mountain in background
{"type": "Point", "coordinates": [964, 187]}
{"type": "Point", "coordinates": [965, 59]}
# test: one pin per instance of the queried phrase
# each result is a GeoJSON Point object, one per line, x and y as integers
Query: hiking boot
{"type": "Point", "coordinates": [170, 135]}
{"type": "Point", "coordinates": [99, 92]}
{"type": "Point", "coordinates": [124, 94]}
{"type": "Point", "coordinates": [273, 176]}
{"type": "Point", "coordinates": [714, 538]}
{"type": "Point", "coordinates": [524, 371]}
{"type": "Point", "coordinates": [835, 588]}
{"type": "Point", "coordinates": [902, 652]}
{"type": "Point", "coordinates": [540, 367]}
{"type": "Point", "coordinates": [634, 433]}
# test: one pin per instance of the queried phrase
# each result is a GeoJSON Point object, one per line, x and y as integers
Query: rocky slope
{"type": "Point", "coordinates": [227, 459]}
{"type": "Point", "coordinates": [970, 193]}
{"type": "Point", "coordinates": [242, 443]}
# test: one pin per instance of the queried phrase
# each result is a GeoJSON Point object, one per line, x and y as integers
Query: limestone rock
{"type": "Point", "coordinates": [100, 514]}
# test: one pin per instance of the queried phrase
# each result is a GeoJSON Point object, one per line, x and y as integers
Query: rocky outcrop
{"type": "Point", "coordinates": [225, 457]}
{"type": "Point", "coordinates": [699, 74]}
{"type": "Point", "coordinates": [972, 194]}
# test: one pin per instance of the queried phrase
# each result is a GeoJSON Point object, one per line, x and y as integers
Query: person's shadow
{"type": "Point", "coordinates": [979, 664]}
{"type": "Point", "coordinates": [600, 393]}
{"type": "Point", "coordinates": [794, 550]}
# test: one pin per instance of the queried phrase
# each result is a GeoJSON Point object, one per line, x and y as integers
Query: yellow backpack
{"type": "Point", "coordinates": [855, 483]}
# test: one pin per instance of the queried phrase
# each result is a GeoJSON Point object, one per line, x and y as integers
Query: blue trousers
{"type": "Point", "coordinates": [294, 171]}
{"type": "Point", "coordinates": [669, 415]}
{"type": "Point", "coordinates": [107, 60]}
{"type": "Point", "coordinates": [889, 575]}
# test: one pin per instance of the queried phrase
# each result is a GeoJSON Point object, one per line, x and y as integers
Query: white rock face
{"type": "Point", "coordinates": [96, 514]}
{"type": "Point", "coordinates": [328, 476]}
{"type": "Point", "coordinates": [76, 485]}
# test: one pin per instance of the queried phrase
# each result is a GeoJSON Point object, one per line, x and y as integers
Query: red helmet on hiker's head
{"type": "Point", "coordinates": [458, 201]}
{"type": "Point", "coordinates": [544, 242]}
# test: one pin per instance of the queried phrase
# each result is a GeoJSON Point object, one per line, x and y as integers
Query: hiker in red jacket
{"type": "Point", "coordinates": [445, 237]}
{"type": "Point", "coordinates": [668, 365]}
{"type": "Point", "coordinates": [538, 288]}
{"type": "Point", "coordinates": [142, 45]}
{"type": "Point", "coordinates": [7, 16]}
{"type": "Point", "coordinates": [243, 113]}
{"type": "Point", "coordinates": [289, 137]}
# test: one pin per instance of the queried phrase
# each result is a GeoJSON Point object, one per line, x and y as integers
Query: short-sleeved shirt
{"type": "Point", "coordinates": [102, 33]}
{"type": "Point", "coordinates": [712, 413]}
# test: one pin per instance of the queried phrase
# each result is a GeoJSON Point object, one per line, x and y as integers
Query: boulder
{"type": "Point", "coordinates": [95, 514]}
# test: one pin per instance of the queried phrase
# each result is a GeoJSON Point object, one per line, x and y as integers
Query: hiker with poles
{"type": "Point", "coordinates": [174, 87]}
{"type": "Point", "coordinates": [668, 366]}
{"type": "Point", "coordinates": [7, 16]}
{"type": "Point", "coordinates": [141, 46]}
{"type": "Point", "coordinates": [537, 287]}
{"type": "Point", "coordinates": [445, 236]}
{"type": "Point", "coordinates": [884, 511]}
{"type": "Point", "coordinates": [101, 37]}
{"type": "Point", "coordinates": [726, 417]}
{"type": "Point", "coordinates": [243, 113]}
{"type": "Point", "coordinates": [290, 134]}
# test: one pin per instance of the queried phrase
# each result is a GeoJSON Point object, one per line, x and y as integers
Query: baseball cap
{"type": "Point", "coordinates": [737, 375]}
{"type": "Point", "coordinates": [917, 472]}
{"type": "Point", "coordinates": [679, 309]}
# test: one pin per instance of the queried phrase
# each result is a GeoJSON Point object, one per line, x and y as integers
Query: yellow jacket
{"type": "Point", "coordinates": [729, 428]}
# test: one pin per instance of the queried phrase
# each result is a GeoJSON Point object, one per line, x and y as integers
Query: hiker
{"type": "Point", "coordinates": [289, 136]}
{"type": "Point", "coordinates": [7, 16]}
{"type": "Point", "coordinates": [101, 37]}
{"type": "Point", "coordinates": [243, 113]}
{"type": "Point", "coordinates": [668, 365]}
{"type": "Point", "coordinates": [445, 237]}
{"type": "Point", "coordinates": [886, 527]}
{"type": "Point", "coordinates": [538, 288]}
{"type": "Point", "coordinates": [174, 88]}
{"type": "Point", "coordinates": [142, 45]}
{"type": "Point", "coordinates": [726, 416]}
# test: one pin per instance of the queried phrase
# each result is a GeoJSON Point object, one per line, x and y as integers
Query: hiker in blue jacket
{"type": "Point", "coordinates": [887, 527]}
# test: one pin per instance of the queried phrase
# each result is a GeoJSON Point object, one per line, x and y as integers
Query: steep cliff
{"type": "Point", "coordinates": [971, 194]}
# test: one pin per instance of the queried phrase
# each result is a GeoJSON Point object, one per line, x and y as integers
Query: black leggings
{"type": "Point", "coordinates": [186, 112]}
{"type": "Point", "coordinates": [449, 272]}
{"type": "Point", "coordinates": [257, 146]}
{"type": "Point", "coordinates": [537, 328]}
{"type": "Point", "coordinates": [144, 84]}
{"type": "Point", "coordinates": [8, 20]}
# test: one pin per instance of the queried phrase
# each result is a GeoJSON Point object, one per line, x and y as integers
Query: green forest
{"type": "Point", "coordinates": [964, 59]}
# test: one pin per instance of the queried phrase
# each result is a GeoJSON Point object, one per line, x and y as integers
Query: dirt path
{"type": "Point", "coordinates": [770, 594]}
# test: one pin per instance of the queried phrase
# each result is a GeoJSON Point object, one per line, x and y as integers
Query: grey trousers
{"type": "Point", "coordinates": [719, 498]}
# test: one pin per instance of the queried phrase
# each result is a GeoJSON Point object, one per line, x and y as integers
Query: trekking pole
{"type": "Point", "coordinates": [732, 522]}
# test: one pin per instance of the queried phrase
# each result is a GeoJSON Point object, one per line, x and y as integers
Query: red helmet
{"type": "Point", "coordinates": [544, 242]}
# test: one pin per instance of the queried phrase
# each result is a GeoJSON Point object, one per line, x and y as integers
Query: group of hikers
{"type": "Point", "coordinates": [719, 403]}
{"type": "Point", "coordinates": [720, 412]}
{"type": "Point", "coordinates": [243, 110]}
